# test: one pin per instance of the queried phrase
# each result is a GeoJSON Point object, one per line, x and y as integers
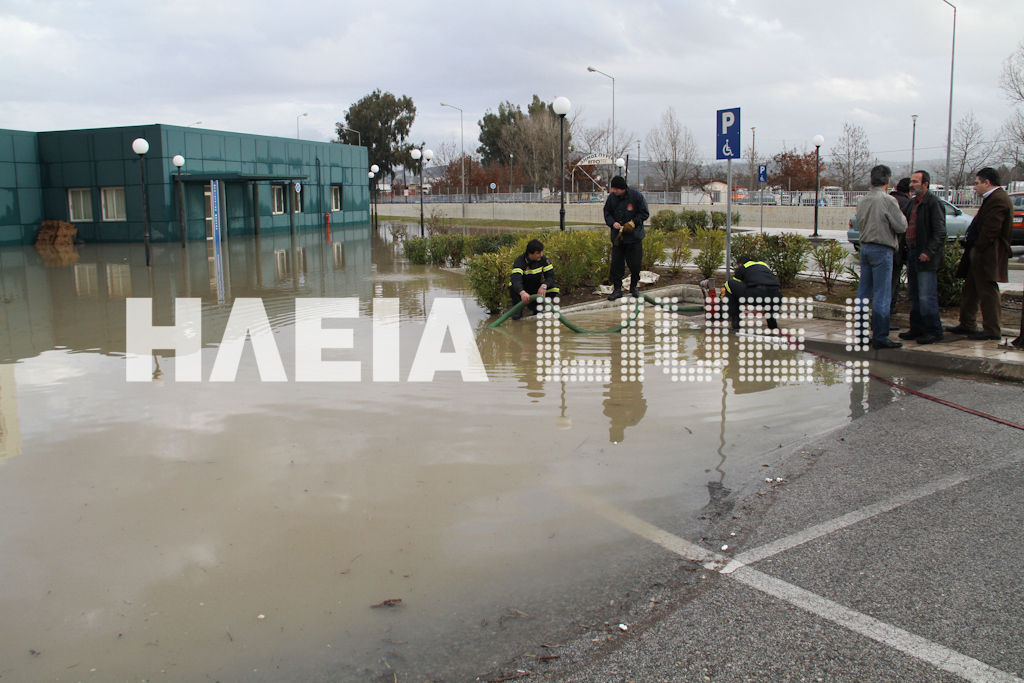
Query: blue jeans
{"type": "Point", "coordinates": [923, 292]}
{"type": "Point", "coordinates": [876, 284]}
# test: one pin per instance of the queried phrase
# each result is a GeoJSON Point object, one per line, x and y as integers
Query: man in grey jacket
{"type": "Point", "coordinates": [880, 221]}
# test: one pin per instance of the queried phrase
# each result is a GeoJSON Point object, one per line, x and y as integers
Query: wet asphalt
{"type": "Point", "coordinates": [943, 568]}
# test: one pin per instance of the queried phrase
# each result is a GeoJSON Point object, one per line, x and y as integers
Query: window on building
{"type": "Point", "coordinates": [278, 191]}
{"type": "Point", "coordinates": [336, 198]}
{"type": "Point", "coordinates": [80, 204]}
{"type": "Point", "coordinates": [112, 201]}
{"type": "Point", "coordinates": [296, 199]}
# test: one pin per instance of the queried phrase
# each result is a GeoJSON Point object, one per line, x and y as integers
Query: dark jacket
{"type": "Point", "coordinates": [754, 274]}
{"type": "Point", "coordinates": [631, 206]}
{"type": "Point", "coordinates": [989, 235]}
{"type": "Point", "coordinates": [931, 231]}
{"type": "Point", "coordinates": [530, 275]}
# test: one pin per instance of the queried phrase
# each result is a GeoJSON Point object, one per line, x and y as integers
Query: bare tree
{"type": "Point", "coordinates": [1012, 78]}
{"type": "Point", "coordinates": [851, 157]}
{"type": "Point", "coordinates": [970, 150]}
{"type": "Point", "coordinates": [673, 152]}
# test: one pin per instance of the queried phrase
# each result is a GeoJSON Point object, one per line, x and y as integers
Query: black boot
{"type": "Point", "coordinates": [616, 294]}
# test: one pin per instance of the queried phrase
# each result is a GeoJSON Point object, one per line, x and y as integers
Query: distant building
{"type": "Point", "coordinates": [92, 179]}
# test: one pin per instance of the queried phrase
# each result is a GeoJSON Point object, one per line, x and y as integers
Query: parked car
{"type": "Point", "coordinates": [956, 224]}
{"type": "Point", "coordinates": [1017, 234]}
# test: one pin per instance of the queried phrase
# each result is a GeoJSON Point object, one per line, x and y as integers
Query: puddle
{"type": "Point", "coordinates": [244, 530]}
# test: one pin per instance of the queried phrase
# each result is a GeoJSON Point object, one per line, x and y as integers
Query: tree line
{"type": "Point", "coordinates": [519, 148]}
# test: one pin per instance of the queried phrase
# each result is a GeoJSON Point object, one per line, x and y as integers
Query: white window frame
{"type": "Point", "coordinates": [277, 193]}
{"type": "Point", "coordinates": [86, 194]}
{"type": "Point", "coordinates": [336, 197]}
{"type": "Point", "coordinates": [112, 215]}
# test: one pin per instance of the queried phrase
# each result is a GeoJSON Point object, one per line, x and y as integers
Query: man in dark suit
{"type": "Point", "coordinates": [984, 263]}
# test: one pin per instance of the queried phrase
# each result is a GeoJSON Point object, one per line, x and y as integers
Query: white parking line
{"type": "Point", "coordinates": [920, 648]}
{"type": "Point", "coordinates": [818, 530]}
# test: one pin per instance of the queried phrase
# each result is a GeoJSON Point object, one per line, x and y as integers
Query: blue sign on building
{"type": "Point", "coordinates": [728, 126]}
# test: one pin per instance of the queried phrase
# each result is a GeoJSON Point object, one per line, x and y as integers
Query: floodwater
{"type": "Point", "coordinates": [187, 531]}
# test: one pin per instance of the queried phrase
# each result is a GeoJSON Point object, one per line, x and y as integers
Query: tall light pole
{"type": "Point", "coordinates": [297, 123]}
{"type": "Point", "coordinates": [597, 71]}
{"type": "Point", "coordinates": [620, 164]}
{"type": "Point", "coordinates": [818, 141]}
{"type": "Point", "coordinates": [561, 105]}
{"type": "Point", "coordinates": [374, 170]}
{"type": "Point", "coordinates": [949, 120]}
{"type": "Point", "coordinates": [462, 138]}
{"type": "Point", "coordinates": [427, 155]}
{"type": "Point", "coordinates": [140, 147]}
{"type": "Point", "coordinates": [511, 158]}
{"type": "Point", "coordinates": [359, 136]}
{"type": "Point", "coordinates": [913, 142]}
{"type": "Point", "coordinates": [178, 162]}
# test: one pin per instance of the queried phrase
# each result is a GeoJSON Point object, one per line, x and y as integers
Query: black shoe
{"type": "Point", "coordinates": [910, 334]}
{"type": "Point", "coordinates": [885, 344]}
{"type": "Point", "coordinates": [981, 336]}
{"type": "Point", "coordinates": [929, 338]}
{"type": "Point", "coordinates": [634, 292]}
{"type": "Point", "coordinates": [960, 329]}
{"type": "Point", "coordinates": [616, 294]}
{"type": "Point", "coordinates": [893, 328]}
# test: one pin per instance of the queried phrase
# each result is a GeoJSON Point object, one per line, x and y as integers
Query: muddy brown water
{"type": "Point", "coordinates": [243, 531]}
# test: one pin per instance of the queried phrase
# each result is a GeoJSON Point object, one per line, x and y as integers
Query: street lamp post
{"type": "Point", "coordinates": [949, 120]}
{"type": "Point", "coordinates": [359, 136]}
{"type": "Point", "coordinates": [374, 170]}
{"type": "Point", "coordinates": [462, 138]}
{"type": "Point", "coordinates": [297, 123]}
{"type": "Point", "coordinates": [511, 158]}
{"type": "Point", "coordinates": [818, 142]}
{"type": "Point", "coordinates": [178, 162]}
{"type": "Point", "coordinates": [369, 175]}
{"type": "Point", "coordinates": [913, 142]}
{"type": "Point", "coordinates": [426, 155]}
{"type": "Point", "coordinates": [597, 71]}
{"type": "Point", "coordinates": [140, 147]}
{"type": "Point", "coordinates": [561, 107]}
{"type": "Point", "coordinates": [620, 164]}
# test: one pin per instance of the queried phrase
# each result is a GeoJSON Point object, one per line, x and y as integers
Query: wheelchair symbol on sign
{"type": "Point", "coordinates": [726, 149]}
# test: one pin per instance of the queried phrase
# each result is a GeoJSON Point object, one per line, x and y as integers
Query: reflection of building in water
{"type": "Point", "coordinates": [82, 306]}
{"type": "Point", "coordinates": [10, 428]}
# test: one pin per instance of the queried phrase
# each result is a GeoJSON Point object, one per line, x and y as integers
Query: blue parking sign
{"type": "Point", "coordinates": [728, 127]}
{"type": "Point", "coordinates": [762, 173]}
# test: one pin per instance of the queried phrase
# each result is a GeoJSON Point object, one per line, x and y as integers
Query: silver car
{"type": "Point", "coordinates": [956, 224]}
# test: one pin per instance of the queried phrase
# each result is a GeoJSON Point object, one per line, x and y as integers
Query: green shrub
{"type": "Point", "coordinates": [736, 218]}
{"type": "Point", "coordinates": [417, 250]}
{"type": "Point", "coordinates": [489, 277]}
{"type": "Point", "coordinates": [679, 251]}
{"type": "Point", "coordinates": [711, 243]}
{"type": "Point", "coordinates": [694, 219]}
{"type": "Point", "coordinates": [655, 244]}
{"type": "Point", "coordinates": [830, 258]}
{"type": "Point", "coordinates": [580, 257]}
{"type": "Point", "coordinates": [488, 243]}
{"type": "Point", "coordinates": [438, 223]}
{"type": "Point", "coordinates": [950, 286]}
{"type": "Point", "coordinates": [717, 219]}
{"type": "Point", "coordinates": [665, 220]}
{"type": "Point", "coordinates": [785, 255]}
{"type": "Point", "coordinates": [446, 249]}
{"type": "Point", "coordinates": [750, 245]}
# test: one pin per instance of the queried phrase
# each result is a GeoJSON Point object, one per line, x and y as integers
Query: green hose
{"type": "Point", "coordinates": [618, 328]}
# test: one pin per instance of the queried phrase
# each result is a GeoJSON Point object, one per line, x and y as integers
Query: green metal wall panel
{"type": "Point", "coordinates": [9, 214]}
{"type": "Point", "coordinates": [8, 175]}
{"type": "Point", "coordinates": [30, 205]}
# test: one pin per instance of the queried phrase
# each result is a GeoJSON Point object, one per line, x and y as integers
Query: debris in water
{"type": "Point", "coordinates": [390, 602]}
{"type": "Point", "coordinates": [623, 627]}
{"type": "Point", "coordinates": [725, 547]}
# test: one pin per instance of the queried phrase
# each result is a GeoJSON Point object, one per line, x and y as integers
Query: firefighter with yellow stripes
{"type": "Point", "coordinates": [532, 273]}
{"type": "Point", "coordinates": [753, 283]}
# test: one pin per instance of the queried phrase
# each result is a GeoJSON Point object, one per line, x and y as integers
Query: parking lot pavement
{"type": "Point", "coordinates": [889, 551]}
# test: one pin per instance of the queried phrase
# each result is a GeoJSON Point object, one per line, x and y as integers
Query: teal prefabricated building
{"type": "Point", "coordinates": [93, 179]}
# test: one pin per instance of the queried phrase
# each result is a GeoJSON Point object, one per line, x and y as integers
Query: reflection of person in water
{"type": "Point", "coordinates": [624, 402]}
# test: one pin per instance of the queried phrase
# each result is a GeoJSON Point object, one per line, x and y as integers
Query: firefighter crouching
{"type": "Point", "coordinates": [753, 280]}
{"type": "Point", "coordinates": [532, 273]}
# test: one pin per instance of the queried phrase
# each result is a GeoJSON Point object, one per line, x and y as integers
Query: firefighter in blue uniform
{"type": "Point", "coordinates": [753, 280]}
{"type": "Point", "coordinates": [532, 273]}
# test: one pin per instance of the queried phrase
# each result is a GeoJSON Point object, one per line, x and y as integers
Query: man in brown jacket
{"type": "Point", "coordinates": [985, 258]}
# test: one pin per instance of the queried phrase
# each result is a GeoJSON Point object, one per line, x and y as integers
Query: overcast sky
{"type": "Point", "coordinates": [795, 67]}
